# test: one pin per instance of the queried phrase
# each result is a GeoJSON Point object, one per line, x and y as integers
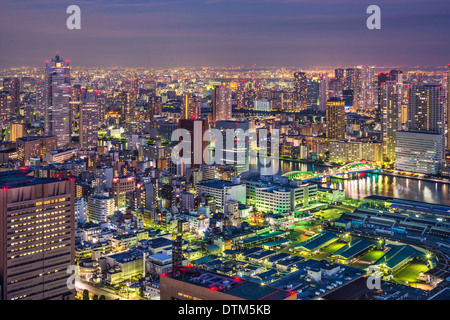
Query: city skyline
{"type": "Point", "coordinates": [224, 150]}
{"type": "Point", "coordinates": [217, 33]}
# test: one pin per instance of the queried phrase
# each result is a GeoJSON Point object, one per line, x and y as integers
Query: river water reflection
{"type": "Point", "coordinates": [377, 184]}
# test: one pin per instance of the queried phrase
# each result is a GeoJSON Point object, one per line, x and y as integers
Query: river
{"type": "Point", "coordinates": [378, 184]}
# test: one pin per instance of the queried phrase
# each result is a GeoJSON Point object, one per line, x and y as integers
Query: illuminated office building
{"type": "Point", "coordinates": [391, 116]}
{"type": "Point", "coordinates": [301, 90]}
{"type": "Point", "coordinates": [222, 104]}
{"type": "Point", "coordinates": [88, 120]}
{"type": "Point", "coordinates": [425, 110]}
{"type": "Point", "coordinates": [57, 115]}
{"type": "Point", "coordinates": [190, 107]}
{"type": "Point", "coordinates": [335, 119]}
{"type": "Point", "coordinates": [37, 238]}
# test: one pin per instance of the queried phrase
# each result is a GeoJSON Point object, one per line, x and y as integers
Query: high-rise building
{"type": "Point", "coordinates": [448, 108]}
{"type": "Point", "coordinates": [339, 74]}
{"type": "Point", "coordinates": [5, 106]}
{"type": "Point", "coordinates": [88, 120]}
{"type": "Point", "coordinates": [425, 110]}
{"type": "Point", "coordinates": [301, 90]}
{"type": "Point", "coordinates": [366, 93]}
{"type": "Point", "coordinates": [121, 187]}
{"type": "Point", "coordinates": [391, 114]}
{"type": "Point", "coordinates": [382, 78]}
{"type": "Point", "coordinates": [12, 85]}
{"type": "Point", "coordinates": [335, 89]}
{"type": "Point", "coordinates": [37, 238]}
{"type": "Point", "coordinates": [81, 210]}
{"type": "Point", "coordinates": [419, 151]}
{"type": "Point", "coordinates": [127, 101]}
{"type": "Point", "coordinates": [313, 92]}
{"type": "Point", "coordinates": [100, 207]}
{"type": "Point", "coordinates": [190, 107]}
{"type": "Point", "coordinates": [57, 113]}
{"type": "Point", "coordinates": [16, 130]}
{"type": "Point", "coordinates": [196, 129]}
{"type": "Point", "coordinates": [353, 82]}
{"type": "Point", "coordinates": [335, 119]}
{"type": "Point", "coordinates": [41, 99]}
{"type": "Point", "coordinates": [323, 92]}
{"type": "Point", "coordinates": [222, 104]}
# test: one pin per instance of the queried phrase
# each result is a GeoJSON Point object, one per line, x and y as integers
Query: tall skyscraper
{"type": "Point", "coordinates": [127, 101]}
{"type": "Point", "coordinates": [300, 90]}
{"type": "Point", "coordinates": [57, 113]}
{"type": "Point", "coordinates": [335, 119]}
{"type": "Point", "coordinates": [335, 88]}
{"type": "Point", "coordinates": [88, 120]}
{"type": "Point", "coordinates": [323, 92]}
{"type": "Point", "coordinates": [391, 115]}
{"type": "Point", "coordinates": [339, 74]}
{"type": "Point", "coordinates": [366, 88]}
{"type": "Point", "coordinates": [425, 110]}
{"type": "Point", "coordinates": [190, 107]}
{"type": "Point", "coordinates": [196, 129]}
{"type": "Point", "coordinates": [12, 85]}
{"type": "Point", "coordinates": [5, 106]}
{"type": "Point", "coordinates": [448, 108]}
{"type": "Point", "coordinates": [222, 104]}
{"type": "Point", "coordinates": [37, 237]}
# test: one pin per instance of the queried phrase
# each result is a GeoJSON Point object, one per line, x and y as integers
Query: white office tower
{"type": "Point", "coordinates": [263, 105]}
{"type": "Point", "coordinates": [57, 112]}
{"type": "Point", "coordinates": [99, 208]}
{"type": "Point", "coordinates": [81, 210]}
{"type": "Point", "coordinates": [420, 152]}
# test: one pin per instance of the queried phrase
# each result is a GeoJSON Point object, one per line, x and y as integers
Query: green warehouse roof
{"type": "Point", "coordinates": [397, 255]}
{"type": "Point", "coordinates": [352, 249]}
{"type": "Point", "coordinates": [316, 242]}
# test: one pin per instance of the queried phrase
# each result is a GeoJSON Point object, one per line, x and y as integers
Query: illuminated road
{"type": "Point", "coordinates": [108, 293]}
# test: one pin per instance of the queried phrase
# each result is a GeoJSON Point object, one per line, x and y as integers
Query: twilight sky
{"type": "Point", "coordinates": [173, 33]}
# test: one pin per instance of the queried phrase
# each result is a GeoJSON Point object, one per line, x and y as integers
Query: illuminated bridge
{"type": "Point", "coordinates": [349, 168]}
